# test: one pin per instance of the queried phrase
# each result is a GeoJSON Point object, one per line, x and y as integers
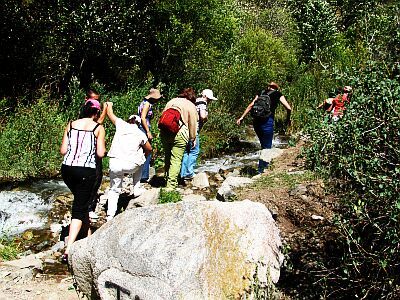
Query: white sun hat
{"type": "Point", "coordinates": [209, 94]}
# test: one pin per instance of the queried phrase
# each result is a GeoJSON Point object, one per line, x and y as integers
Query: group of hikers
{"type": "Point", "coordinates": [83, 147]}
{"type": "Point", "coordinates": [83, 144]}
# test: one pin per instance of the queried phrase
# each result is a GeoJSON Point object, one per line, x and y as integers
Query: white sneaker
{"type": "Point", "coordinates": [109, 218]}
{"type": "Point", "coordinates": [93, 215]}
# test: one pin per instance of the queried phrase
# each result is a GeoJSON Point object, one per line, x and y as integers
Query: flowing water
{"type": "Point", "coordinates": [30, 206]}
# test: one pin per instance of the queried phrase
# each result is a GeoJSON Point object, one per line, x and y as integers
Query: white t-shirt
{"type": "Point", "coordinates": [127, 143]}
{"type": "Point", "coordinates": [201, 107]}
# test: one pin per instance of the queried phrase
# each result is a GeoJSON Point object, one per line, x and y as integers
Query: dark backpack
{"type": "Point", "coordinates": [169, 121]}
{"type": "Point", "coordinates": [261, 109]}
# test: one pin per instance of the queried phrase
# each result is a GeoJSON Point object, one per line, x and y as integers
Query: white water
{"type": "Point", "coordinates": [20, 211]}
{"type": "Point", "coordinates": [28, 207]}
{"type": "Point", "coordinates": [226, 162]}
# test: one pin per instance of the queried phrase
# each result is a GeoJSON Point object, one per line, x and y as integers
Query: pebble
{"type": "Point", "coordinates": [315, 217]}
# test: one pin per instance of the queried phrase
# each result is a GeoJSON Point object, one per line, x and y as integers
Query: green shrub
{"type": "Point", "coordinates": [9, 249]}
{"type": "Point", "coordinates": [30, 142]}
{"type": "Point", "coordinates": [167, 196]}
{"type": "Point", "coordinates": [362, 150]}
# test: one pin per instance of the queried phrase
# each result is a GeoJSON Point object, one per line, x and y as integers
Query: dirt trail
{"type": "Point", "coordinates": [304, 212]}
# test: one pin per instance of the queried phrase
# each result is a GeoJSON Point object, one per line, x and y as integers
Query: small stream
{"type": "Point", "coordinates": [28, 206]}
{"type": "Point", "coordinates": [32, 206]}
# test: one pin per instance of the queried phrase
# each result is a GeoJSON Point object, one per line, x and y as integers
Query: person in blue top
{"type": "Point", "coordinates": [145, 112]}
{"type": "Point", "coordinates": [191, 153]}
{"type": "Point", "coordinates": [265, 128]}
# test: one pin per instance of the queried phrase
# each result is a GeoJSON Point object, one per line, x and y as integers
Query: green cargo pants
{"type": "Point", "coordinates": [174, 148]}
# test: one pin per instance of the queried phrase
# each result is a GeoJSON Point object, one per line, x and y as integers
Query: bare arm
{"type": "Point", "coordinates": [203, 116]}
{"type": "Point", "coordinates": [246, 111]}
{"type": "Point", "coordinates": [147, 148]}
{"type": "Point", "coordinates": [287, 106]}
{"type": "Point", "coordinates": [103, 114]}
{"type": "Point", "coordinates": [101, 143]}
{"type": "Point", "coordinates": [192, 123]}
{"type": "Point", "coordinates": [64, 143]}
{"type": "Point", "coordinates": [143, 116]}
{"type": "Point", "coordinates": [110, 112]}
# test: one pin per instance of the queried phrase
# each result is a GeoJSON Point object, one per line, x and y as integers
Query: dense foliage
{"type": "Point", "coordinates": [362, 150]}
{"type": "Point", "coordinates": [53, 50]}
{"type": "Point", "coordinates": [360, 154]}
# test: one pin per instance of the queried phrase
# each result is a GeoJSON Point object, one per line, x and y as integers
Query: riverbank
{"type": "Point", "coordinates": [299, 204]}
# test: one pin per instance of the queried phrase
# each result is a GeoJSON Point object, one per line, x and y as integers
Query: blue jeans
{"type": "Point", "coordinates": [265, 133]}
{"type": "Point", "coordinates": [190, 158]}
{"type": "Point", "coordinates": [146, 165]}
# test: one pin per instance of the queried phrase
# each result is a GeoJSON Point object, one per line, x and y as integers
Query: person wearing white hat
{"type": "Point", "coordinates": [127, 154]}
{"type": "Point", "coordinates": [190, 156]}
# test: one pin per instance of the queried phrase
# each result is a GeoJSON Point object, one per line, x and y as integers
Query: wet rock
{"type": "Point", "coordinates": [149, 197]}
{"type": "Point", "coordinates": [269, 154]}
{"type": "Point", "coordinates": [42, 245]}
{"type": "Point", "coordinates": [226, 193]}
{"type": "Point", "coordinates": [58, 246]}
{"type": "Point", "coordinates": [200, 181]}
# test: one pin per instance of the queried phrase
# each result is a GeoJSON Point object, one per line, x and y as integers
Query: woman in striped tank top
{"type": "Point", "coordinates": [82, 140]}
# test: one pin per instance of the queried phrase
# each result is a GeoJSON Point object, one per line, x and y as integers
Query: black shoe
{"type": "Point", "coordinates": [144, 180]}
{"type": "Point", "coordinates": [64, 259]}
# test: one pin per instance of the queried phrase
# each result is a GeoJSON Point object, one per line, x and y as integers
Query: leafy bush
{"type": "Point", "coordinates": [30, 142]}
{"type": "Point", "coordinates": [167, 196]}
{"type": "Point", "coordinates": [9, 248]}
{"type": "Point", "coordinates": [362, 150]}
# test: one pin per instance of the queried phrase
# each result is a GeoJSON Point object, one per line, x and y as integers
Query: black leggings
{"type": "Point", "coordinates": [80, 180]}
{"type": "Point", "coordinates": [99, 177]}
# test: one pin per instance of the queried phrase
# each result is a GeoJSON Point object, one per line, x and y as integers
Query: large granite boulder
{"type": "Point", "coordinates": [187, 250]}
